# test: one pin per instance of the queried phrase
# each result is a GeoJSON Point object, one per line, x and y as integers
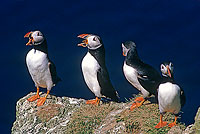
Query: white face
{"type": "Point", "coordinates": [124, 50]}
{"type": "Point", "coordinates": [164, 69]}
{"type": "Point", "coordinates": [38, 37]}
{"type": "Point", "coordinates": [93, 42]}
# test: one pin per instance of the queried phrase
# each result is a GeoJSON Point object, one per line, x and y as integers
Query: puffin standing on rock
{"type": "Point", "coordinates": [41, 69]}
{"type": "Point", "coordinates": [94, 69]}
{"type": "Point", "coordinates": [170, 96]}
{"type": "Point", "coordinates": [142, 76]}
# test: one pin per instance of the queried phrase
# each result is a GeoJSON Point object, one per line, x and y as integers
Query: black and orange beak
{"type": "Point", "coordinates": [84, 42]}
{"type": "Point", "coordinates": [168, 71]}
{"type": "Point", "coordinates": [28, 35]}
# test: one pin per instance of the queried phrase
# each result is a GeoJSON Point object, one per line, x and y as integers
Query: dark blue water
{"type": "Point", "coordinates": [162, 30]}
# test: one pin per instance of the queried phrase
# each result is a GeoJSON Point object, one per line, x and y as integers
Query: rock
{"type": "Point", "coordinates": [189, 130]}
{"type": "Point", "coordinates": [61, 115]}
{"type": "Point", "coordinates": [175, 130]}
{"type": "Point", "coordinates": [196, 125]}
{"type": "Point", "coordinates": [194, 128]}
{"type": "Point", "coordinates": [52, 117]}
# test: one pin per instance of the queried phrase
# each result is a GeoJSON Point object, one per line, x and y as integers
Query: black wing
{"type": "Point", "coordinates": [53, 72]}
{"type": "Point", "coordinates": [105, 84]}
{"type": "Point", "coordinates": [149, 78]}
{"type": "Point", "coordinates": [183, 98]}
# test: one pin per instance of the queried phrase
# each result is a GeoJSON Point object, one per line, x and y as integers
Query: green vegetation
{"type": "Point", "coordinates": [141, 120]}
{"type": "Point", "coordinates": [87, 118]}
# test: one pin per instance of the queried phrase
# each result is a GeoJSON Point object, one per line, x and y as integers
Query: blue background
{"type": "Point", "coordinates": [162, 30]}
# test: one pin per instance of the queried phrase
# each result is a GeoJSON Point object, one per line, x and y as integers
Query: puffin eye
{"type": "Point", "coordinates": [94, 39]}
{"type": "Point", "coordinates": [39, 34]}
{"type": "Point", "coordinates": [171, 64]}
{"type": "Point", "coordinates": [162, 66]}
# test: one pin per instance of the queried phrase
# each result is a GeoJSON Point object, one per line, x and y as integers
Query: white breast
{"type": "Point", "coordinates": [131, 75]}
{"type": "Point", "coordinates": [37, 64]}
{"type": "Point", "coordinates": [89, 68]}
{"type": "Point", "coordinates": [169, 98]}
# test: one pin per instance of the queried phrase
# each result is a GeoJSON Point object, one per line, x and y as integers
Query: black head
{"type": "Point", "coordinates": [127, 46]}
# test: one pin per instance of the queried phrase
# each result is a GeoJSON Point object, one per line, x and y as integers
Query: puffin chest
{"type": "Point", "coordinates": [37, 64]}
{"type": "Point", "coordinates": [90, 67]}
{"type": "Point", "coordinates": [131, 75]}
{"type": "Point", "coordinates": [37, 60]}
{"type": "Point", "coordinates": [169, 97]}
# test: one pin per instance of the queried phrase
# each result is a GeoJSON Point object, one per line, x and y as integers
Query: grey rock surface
{"type": "Point", "coordinates": [52, 117]}
{"type": "Point", "coordinates": [55, 115]}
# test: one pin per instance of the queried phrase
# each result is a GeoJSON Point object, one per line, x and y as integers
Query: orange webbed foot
{"type": "Point", "coordinates": [161, 124]}
{"type": "Point", "coordinates": [33, 98]}
{"type": "Point", "coordinates": [138, 102]}
{"type": "Point", "coordinates": [96, 101]}
{"type": "Point", "coordinates": [41, 101]}
{"type": "Point", "coordinates": [139, 99]}
{"type": "Point", "coordinates": [91, 102]}
{"type": "Point", "coordinates": [134, 105]}
{"type": "Point", "coordinates": [171, 124]}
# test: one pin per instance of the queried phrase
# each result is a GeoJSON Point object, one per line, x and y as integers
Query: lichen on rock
{"type": "Point", "coordinates": [64, 115]}
{"type": "Point", "coordinates": [52, 117]}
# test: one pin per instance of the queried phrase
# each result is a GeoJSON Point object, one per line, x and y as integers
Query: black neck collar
{"type": "Point", "coordinates": [167, 79]}
{"type": "Point", "coordinates": [99, 54]}
{"type": "Point", "coordinates": [41, 47]}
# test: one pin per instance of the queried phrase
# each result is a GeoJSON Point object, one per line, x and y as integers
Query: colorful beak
{"type": "Point", "coordinates": [28, 35]}
{"type": "Point", "coordinates": [83, 36]}
{"type": "Point", "coordinates": [84, 42]}
{"type": "Point", "coordinates": [168, 71]}
{"type": "Point", "coordinates": [123, 54]}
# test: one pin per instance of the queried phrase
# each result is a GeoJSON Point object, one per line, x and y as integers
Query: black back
{"type": "Point", "coordinates": [102, 74]}
{"type": "Point", "coordinates": [148, 77]}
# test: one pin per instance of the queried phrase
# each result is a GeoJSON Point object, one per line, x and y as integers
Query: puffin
{"type": "Point", "coordinates": [94, 69]}
{"type": "Point", "coordinates": [141, 75]}
{"type": "Point", "coordinates": [40, 67]}
{"type": "Point", "coordinates": [171, 97]}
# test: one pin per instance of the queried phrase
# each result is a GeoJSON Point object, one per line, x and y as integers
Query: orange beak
{"type": "Point", "coordinates": [28, 35]}
{"type": "Point", "coordinates": [84, 42]}
{"type": "Point", "coordinates": [123, 54]}
{"type": "Point", "coordinates": [169, 71]}
{"type": "Point", "coordinates": [83, 36]}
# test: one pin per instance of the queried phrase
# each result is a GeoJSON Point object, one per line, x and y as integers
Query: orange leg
{"type": "Point", "coordinates": [35, 97]}
{"type": "Point", "coordinates": [96, 101]}
{"type": "Point", "coordinates": [41, 101]}
{"type": "Point", "coordinates": [137, 103]}
{"type": "Point", "coordinates": [161, 123]}
{"type": "Point", "coordinates": [173, 123]}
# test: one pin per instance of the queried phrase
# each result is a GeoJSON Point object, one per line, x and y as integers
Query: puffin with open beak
{"type": "Point", "coordinates": [94, 69]}
{"type": "Point", "coordinates": [41, 69]}
{"type": "Point", "coordinates": [141, 75]}
{"type": "Point", "coordinates": [170, 96]}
